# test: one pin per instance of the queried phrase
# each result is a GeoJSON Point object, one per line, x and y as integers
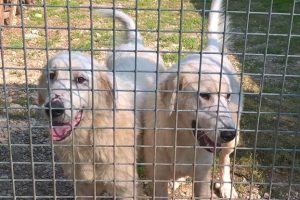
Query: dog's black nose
{"type": "Point", "coordinates": [228, 135]}
{"type": "Point", "coordinates": [57, 108]}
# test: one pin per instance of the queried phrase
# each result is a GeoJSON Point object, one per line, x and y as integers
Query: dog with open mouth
{"type": "Point", "coordinates": [69, 93]}
{"type": "Point", "coordinates": [79, 101]}
{"type": "Point", "coordinates": [94, 143]}
{"type": "Point", "coordinates": [61, 129]}
{"type": "Point", "coordinates": [198, 110]}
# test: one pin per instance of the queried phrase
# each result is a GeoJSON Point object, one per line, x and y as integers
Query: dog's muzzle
{"type": "Point", "coordinates": [228, 135]}
{"type": "Point", "coordinates": [203, 139]}
{"type": "Point", "coordinates": [59, 128]}
{"type": "Point", "coordinates": [225, 136]}
{"type": "Point", "coordinates": [56, 107]}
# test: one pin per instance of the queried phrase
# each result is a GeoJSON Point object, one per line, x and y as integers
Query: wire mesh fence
{"type": "Point", "coordinates": [102, 119]}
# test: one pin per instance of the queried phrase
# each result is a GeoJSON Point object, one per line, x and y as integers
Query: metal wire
{"type": "Point", "coordinates": [260, 95]}
{"type": "Point", "coordinates": [7, 120]}
{"type": "Point", "coordinates": [281, 98]}
{"type": "Point", "coordinates": [253, 127]}
{"type": "Point", "coordinates": [154, 164]}
{"type": "Point", "coordinates": [28, 105]}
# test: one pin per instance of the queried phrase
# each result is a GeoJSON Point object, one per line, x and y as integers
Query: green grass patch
{"type": "Point", "coordinates": [81, 39]}
{"type": "Point", "coordinates": [36, 17]}
{"type": "Point", "coordinates": [170, 57]}
{"type": "Point", "coordinates": [16, 42]}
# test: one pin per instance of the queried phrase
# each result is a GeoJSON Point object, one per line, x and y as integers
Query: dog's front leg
{"type": "Point", "coordinates": [226, 188]}
{"type": "Point", "coordinates": [202, 182]}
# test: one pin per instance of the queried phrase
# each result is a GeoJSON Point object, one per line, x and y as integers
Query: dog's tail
{"type": "Point", "coordinates": [132, 33]}
{"type": "Point", "coordinates": [216, 26]}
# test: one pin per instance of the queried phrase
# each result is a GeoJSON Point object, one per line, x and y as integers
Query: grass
{"type": "Point", "coordinates": [273, 128]}
{"type": "Point", "coordinates": [79, 18]}
{"type": "Point", "coordinates": [272, 84]}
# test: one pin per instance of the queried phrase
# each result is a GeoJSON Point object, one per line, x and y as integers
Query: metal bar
{"type": "Point", "coordinates": [7, 126]}
{"type": "Point", "coordinates": [280, 105]}
{"type": "Point", "coordinates": [198, 93]}
{"type": "Point", "coordinates": [69, 48]}
{"type": "Point", "coordinates": [156, 97]}
{"type": "Point", "coordinates": [49, 90]}
{"type": "Point", "coordinates": [177, 92]}
{"type": "Point", "coordinates": [147, 31]}
{"type": "Point", "coordinates": [260, 98]}
{"type": "Point", "coordinates": [93, 94]}
{"type": "Point", "coordinates": [134, 100]}
{"type": "Point", "coordinates": [152, 9]}
{"type": "Point", "coordinates": [241, 87]}
{"type": "Point", "coordinates": [28, 101]}
{"type": "Point", "coordinates": [114, 97]}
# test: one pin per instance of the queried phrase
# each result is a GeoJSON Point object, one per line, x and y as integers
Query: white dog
{"type": "Point", "coordinates": [80, 104]}
{"type": "Point", "coordinates": [198, 105]}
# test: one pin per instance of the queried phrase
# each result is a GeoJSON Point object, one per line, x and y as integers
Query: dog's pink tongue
{"type": "Point", "coordinates": [64, 130]}
{"type": "Point", "coordinates": [208, 141]}
{"type": "Point", "coordinates": [204, 141]}
{"type": "Point", "coordinates": [60, 132]}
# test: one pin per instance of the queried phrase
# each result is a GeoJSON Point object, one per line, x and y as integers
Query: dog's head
{"type": "Point", "coordinates": [68, 86]}
{"type": "Point", "coordinates": [202, 105]}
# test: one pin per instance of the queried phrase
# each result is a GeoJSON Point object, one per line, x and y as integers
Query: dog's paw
{"type": "Point", "coordinates": [227, 190]}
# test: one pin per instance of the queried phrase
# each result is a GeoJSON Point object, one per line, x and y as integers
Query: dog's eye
{"type": "Point", "coordinates": [80, 79]}
{"type": "Point", "coordinates": [205, 96]}
{"type": "Point", "coordinates": [228, 96]}
{"type": "Point", "coordinates": [52, 75]}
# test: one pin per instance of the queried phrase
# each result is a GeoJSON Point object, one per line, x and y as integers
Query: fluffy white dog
{"type": "Point", "coordinates": [96, 143]}
{"type": "Point", "coordinates": [197, 112]}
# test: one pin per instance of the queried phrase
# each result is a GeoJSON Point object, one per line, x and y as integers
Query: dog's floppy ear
{"type": "Point", "coordinates": [105, 86]}
{"type": "Point", "coordinates": [169, 88]}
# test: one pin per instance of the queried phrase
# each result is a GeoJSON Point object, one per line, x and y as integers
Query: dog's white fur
{"type": "Point", "coordinates": [98, 143]}
{"type": "Point", "coordinates": [132, 61]}
{"type": "Point", "coordinates": [97, 112]}
{"type": "Point", "coordinates": [218, 78]}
